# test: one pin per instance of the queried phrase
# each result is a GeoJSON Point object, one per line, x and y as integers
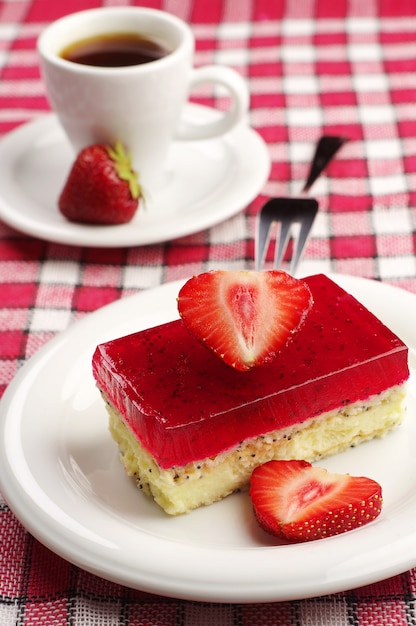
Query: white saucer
{"type": "Point", "coordinates": [207, 182]}
{"type": "Point", "coordinates": [60, 473]}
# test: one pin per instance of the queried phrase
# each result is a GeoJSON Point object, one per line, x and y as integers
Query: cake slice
{"type": "Point", "coordinates": [191, 429]}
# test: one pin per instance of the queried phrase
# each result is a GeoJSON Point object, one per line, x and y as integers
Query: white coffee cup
{"type": "Point", "coordinates": [142, 105]}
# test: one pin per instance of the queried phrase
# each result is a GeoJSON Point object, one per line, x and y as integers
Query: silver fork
{"type": "Point", "coordinates": [289, 212]}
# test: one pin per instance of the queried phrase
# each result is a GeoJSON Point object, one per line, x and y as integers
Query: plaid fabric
{"type": "Point", "coordinates": [312, 66]}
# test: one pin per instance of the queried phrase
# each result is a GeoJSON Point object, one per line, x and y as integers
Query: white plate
{"type": "Point", "coordinates": [207, 182]}
{"type": "Point", "coordinates": [61, 475]}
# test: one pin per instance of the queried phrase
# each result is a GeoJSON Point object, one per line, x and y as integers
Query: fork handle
{"type": "Point", "coordinates": [326, 149]}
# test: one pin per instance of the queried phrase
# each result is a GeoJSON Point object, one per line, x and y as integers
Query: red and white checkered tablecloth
{"type": "Point", "coordinates": [312, 66]}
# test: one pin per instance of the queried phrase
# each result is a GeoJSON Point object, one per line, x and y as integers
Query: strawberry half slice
{"type": "Point", "coordinates": [299, 502]}
{"type": "Point", "coordinates": [245, 317]}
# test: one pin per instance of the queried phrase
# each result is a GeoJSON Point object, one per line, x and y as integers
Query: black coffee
{"type": "Point", "coordinates": [115, 50]}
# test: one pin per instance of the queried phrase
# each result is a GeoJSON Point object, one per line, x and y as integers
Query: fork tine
{"type": "Point", "coordinates": [306, 224]}
{"type": "Point", "coordinates": [265, 220]}
{"type": "Point", "coordinates": [286, 231]}
{"type": "Point", "coordinates": [288, 212]}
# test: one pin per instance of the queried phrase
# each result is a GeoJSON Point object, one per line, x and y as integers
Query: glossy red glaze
{"type": "Point", "coordinates": [184, 404]}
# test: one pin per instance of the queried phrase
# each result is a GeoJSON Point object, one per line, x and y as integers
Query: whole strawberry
{"type": "Point", "coordinates": [102, 187]}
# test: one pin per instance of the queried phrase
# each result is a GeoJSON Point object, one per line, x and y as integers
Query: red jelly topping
{"type": "Point", "coordinates": [184, 404]}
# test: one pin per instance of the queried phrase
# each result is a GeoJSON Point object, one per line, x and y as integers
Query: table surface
{"type": "Point", "coordinates": [312, 67]}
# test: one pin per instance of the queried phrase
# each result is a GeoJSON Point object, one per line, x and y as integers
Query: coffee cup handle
{"type": "Point", "coordinates": [236, 87]}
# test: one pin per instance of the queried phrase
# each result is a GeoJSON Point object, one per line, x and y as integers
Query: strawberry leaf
{"type": "Point", "coordinates": [124, 168]}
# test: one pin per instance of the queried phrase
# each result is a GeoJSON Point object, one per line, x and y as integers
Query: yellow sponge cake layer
{"type": "Point", "coordinates": [181, 489]}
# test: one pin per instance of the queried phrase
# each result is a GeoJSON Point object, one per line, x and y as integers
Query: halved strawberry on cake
{"type": "Point", "coordinates": [260, 366]}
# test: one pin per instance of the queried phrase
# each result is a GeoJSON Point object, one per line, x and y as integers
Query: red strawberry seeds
{"type": "Point", "coordinates": [299, 502]}
{"type": "Point", "coordinates": [102, 187]}
{"type": "Point", "coordinates": [245, 317]}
